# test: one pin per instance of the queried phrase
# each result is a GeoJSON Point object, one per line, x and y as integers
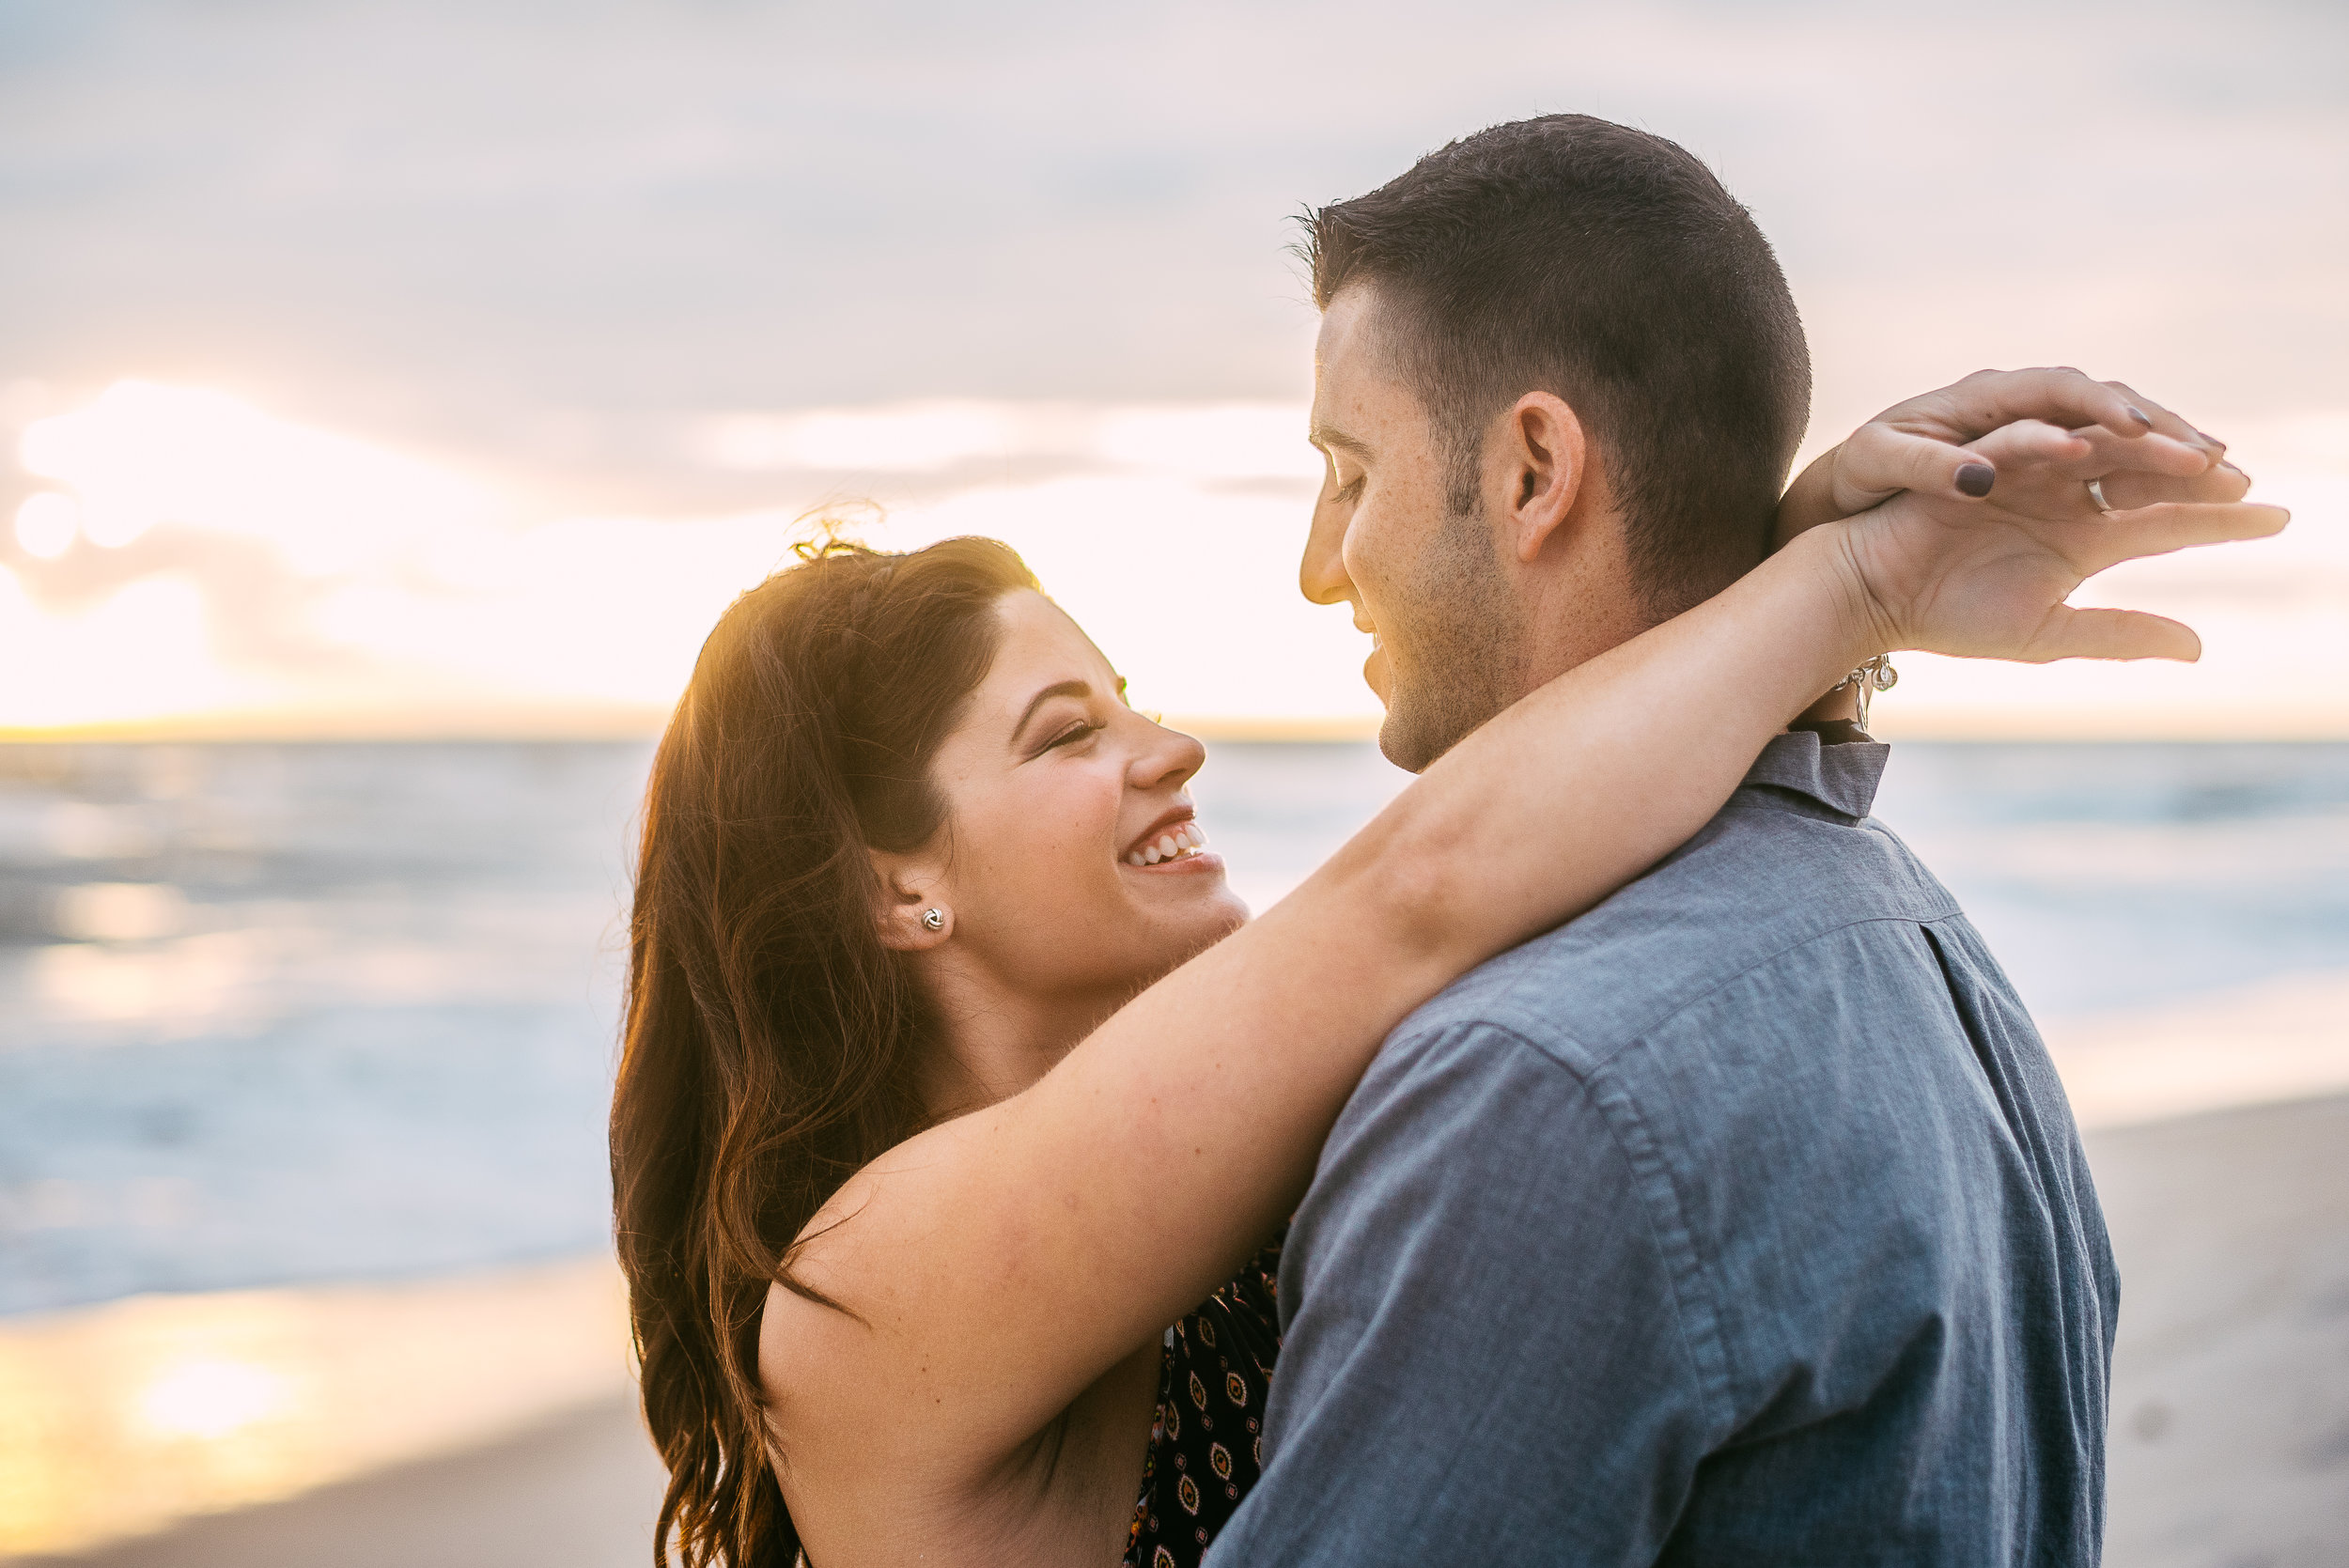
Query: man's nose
{"type": "Point", "coordinates": [1321, 576]}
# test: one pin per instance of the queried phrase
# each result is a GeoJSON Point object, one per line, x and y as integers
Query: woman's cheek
{"type": "Point", "coordinates": [1056, 839]}
{"type": "Point", "coordinates": [1084, 809]}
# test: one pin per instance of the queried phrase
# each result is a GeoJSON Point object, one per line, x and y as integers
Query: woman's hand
{"type": "Point", "coordinates": [1937, 445]}
{"type": "Point", "coordinates": [1988, 577]}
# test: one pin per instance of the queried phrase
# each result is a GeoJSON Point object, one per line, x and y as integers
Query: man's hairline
{"type": "Point", "coordinates": [1392, 361]}
{"type": "Point", "coordinates": [1394, 354]}
{"type": "Point", "coordinates": [1328, 436]}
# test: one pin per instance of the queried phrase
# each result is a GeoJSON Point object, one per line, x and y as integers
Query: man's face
{"type": "Point", "coordinates": [1426, 583]}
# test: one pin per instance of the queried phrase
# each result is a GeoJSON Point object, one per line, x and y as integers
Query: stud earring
{"type": "Point", "coordinates": [934, 919]}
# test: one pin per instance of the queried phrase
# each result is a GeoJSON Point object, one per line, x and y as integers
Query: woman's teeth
{"type": "Point", "coordinates": [1184, 839]}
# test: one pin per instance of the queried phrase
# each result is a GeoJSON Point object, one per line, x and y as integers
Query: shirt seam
{"type": "Point", "coordinates": [1645, 1030]}
{"type": "Point", "coordinates": [1616, 1104]}
{"type": "Point", "coordinates": [1706, 1350]}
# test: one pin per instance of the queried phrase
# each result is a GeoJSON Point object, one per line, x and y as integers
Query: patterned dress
{"type": "Point", "coordinates": [1207, 1446]}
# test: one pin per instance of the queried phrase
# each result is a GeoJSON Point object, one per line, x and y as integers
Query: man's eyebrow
{"type": "Point", "coordinates": [1059, 689]}
{"type": "Point", "coordinates": [1328, 436]}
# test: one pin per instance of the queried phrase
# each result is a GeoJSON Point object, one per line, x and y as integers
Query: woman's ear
{"type": "Point", "coordinates": [912, 914]}
{"type": "Point", "coordinates": [1546, 461]}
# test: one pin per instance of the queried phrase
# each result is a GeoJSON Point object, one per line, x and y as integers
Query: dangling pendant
{"type": "Point", "coordinates": [1876, 676]}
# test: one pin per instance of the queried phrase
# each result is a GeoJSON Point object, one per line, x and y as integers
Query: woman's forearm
{"type": "Point", "coordinates": [1810, 500]}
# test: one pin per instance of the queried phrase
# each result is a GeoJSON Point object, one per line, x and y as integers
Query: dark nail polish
{"type": "Point", "coordinates": [1975, 479]}
{"type": "Point", "coordinates": [2138, 415]}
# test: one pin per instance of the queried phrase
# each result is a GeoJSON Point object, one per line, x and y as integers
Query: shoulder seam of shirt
{"type": "Point", "coordinates": [1654, 1025]}
{"type": "Point", "coordinates": [1708, 1360]}
{"type": "Point", "coordinates": [1707, 1350]}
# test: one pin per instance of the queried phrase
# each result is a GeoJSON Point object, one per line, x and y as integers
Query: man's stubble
{"type": "Point", "coordinates": [1456, 654]}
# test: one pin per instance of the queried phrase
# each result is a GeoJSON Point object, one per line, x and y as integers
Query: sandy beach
{"type": "Point", "coordinates": [2229, 1441]}
{"type": "Point", "coordinates": [2231, 1400]}
{"type": "Point", "coordinates": [579, 1491]}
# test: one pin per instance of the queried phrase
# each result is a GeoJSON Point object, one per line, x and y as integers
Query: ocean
{"type": "Point", "coordinates": [285, 1014]}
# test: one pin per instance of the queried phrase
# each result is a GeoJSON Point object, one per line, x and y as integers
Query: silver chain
{"type": "Point", "coordinates": [1876, 676]}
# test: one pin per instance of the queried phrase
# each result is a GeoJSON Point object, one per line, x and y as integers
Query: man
{"type": "Point", "coordinates": [1742, 1219]}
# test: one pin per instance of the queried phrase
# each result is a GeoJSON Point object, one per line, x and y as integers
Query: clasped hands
{"type": "Point", "coordinates": [1964, 519]}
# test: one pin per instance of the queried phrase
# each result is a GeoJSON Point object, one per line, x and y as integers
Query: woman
{"type": "Point", "coordinates": [953, 1075]}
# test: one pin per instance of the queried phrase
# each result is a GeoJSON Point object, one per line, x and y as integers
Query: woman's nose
{"type": "Point", "coordinates": [1170, 761]}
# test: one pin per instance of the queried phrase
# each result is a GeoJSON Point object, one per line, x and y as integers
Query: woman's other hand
{"type": "Point", "coordinates": [1942, 570]}
{"type": "Point", "coordinates": [1936, 445]}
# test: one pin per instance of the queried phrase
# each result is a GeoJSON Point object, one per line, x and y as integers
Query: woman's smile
{"type": "Point", "coordinates": [1174, 841]}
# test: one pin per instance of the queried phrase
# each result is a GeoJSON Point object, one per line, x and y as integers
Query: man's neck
{"type": "Point", "coordinates": [1834, 718]}
{"type": "Point", "coordinates": [1579, 597]}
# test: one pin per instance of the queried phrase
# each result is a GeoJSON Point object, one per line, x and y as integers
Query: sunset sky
{"type": "Point", "coordinates": [441, 368]}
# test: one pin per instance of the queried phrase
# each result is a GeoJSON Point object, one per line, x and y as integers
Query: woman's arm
{"type": "Point", "coordinates": [995, 1265]}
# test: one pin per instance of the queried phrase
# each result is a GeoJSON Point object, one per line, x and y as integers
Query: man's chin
{"type": "Point", "coordinates": [1416, 732]}
{"type": "Point", "coordinates": [1403, 742]}
{"type": "Point", "coordinates": [1398, 739]}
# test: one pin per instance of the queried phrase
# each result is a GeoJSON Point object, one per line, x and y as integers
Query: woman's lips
{"type": "Point", "coordinates": [1176, 841]}
{"type": "Point", "coordinates": [1200, 863]}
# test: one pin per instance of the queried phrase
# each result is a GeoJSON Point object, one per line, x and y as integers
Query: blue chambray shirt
{"type": "Point", "coordinates": [1740, 1221]}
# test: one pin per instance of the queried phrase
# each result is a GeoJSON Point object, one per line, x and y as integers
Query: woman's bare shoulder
{"type": "Point", "coordinates": [846, 1319]}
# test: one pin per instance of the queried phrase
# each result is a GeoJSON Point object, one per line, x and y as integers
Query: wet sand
{"type": "Point", "coordinates": [578, 1491]}
{"type": "Point", "coordinates": [124, 1418]}
{"type": "Point", "coordinates": [2230, 1425]}
{"type": "Point", "coordinates": [2230, 1444]}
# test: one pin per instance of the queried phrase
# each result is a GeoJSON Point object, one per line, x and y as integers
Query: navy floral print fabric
{"type": "Point", "coordinates": [1207, 1444]}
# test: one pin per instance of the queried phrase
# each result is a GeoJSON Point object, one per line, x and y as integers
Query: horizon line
{"type": "Point", "coordinates": [645, 725]}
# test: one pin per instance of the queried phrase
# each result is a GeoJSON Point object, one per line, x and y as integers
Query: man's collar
{"type": "Point", "coordinates": [1840, 778]}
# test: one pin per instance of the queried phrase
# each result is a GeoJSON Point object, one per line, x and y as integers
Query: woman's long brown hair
{"type": "Point", "coordinates": [771, 1040]}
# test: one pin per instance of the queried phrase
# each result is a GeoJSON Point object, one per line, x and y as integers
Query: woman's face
{"type": "Point", "coordinates": [1062, 806]}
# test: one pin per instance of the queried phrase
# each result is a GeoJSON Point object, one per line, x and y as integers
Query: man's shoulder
{"type": "Point", "coordinates": [1779, 1008]}
{"type": "Point", "coordinates": [1762, 886]}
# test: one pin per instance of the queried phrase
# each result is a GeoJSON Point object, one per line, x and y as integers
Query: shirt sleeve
{"type": "Point", "coordinates": [1488, 1358]}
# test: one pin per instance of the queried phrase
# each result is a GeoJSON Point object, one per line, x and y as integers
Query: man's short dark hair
{"type": "Point", "coordinates": [1573, 256]}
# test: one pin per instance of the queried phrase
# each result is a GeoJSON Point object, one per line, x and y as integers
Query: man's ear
{"type": "Point", "coordinates": [1543, 460]}
{"type": "Point", "coordinates": [911, 913]}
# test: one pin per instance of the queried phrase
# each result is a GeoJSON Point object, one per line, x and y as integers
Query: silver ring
{"type": "Point", "coordinates": [2096, 494]}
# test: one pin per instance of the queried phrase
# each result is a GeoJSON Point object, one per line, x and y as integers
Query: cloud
{"type": "Point", "coordinates": [448, 319]}
{"type": "Point", "coordinates": [251, 571]}
{"type": "Point", "coordinates": [436, 218]}
{"type": "Point", "coordinates": [275, 576]}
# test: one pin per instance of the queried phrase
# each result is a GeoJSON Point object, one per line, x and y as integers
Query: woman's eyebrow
{"type": "Point", "coordinates": [1059, 689]}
